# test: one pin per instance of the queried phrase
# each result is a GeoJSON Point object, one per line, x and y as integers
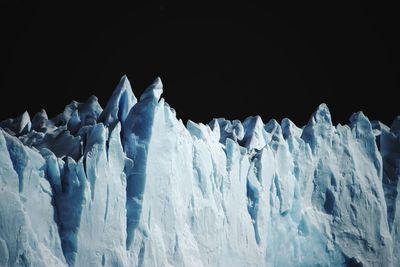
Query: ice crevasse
{"type": "Point", "coordinates": [131, 185]}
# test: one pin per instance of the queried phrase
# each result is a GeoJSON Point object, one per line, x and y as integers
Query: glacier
{"type": "Point", "coordinates": [132, 185]}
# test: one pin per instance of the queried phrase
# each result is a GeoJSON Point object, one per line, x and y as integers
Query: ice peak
{"type": "Point", "coordinates": [25, 122]}
{"type": "Point", "coordinates": [253, 121]}
{"type": "Point", "coordinates": [39, 121]}
{"type": "Point", "coordinates": [123, 84]}
{"type": "Point", "coordinates": [153, 91]}
{"type": "Point", "coordinates": [319, 127]}
{"type": "Point", "coordinates": [121, 102]}
{"type": "Point", "coordinates": [19, 125]}
{"type": "Point", "coordinates": [42, 113]}
{"type": "Point", "coordinates": [199, 130]}
{"type": "Point", "coordinates": [89, 111]}
{"type": "Point", "coordinates": [25, 115]}
{"type": "Point", "coordinates": [322, 115]}
{"type": "Point", "coordinates": [253, 133]}
{"type": "Point", "coordinates": [230, 129]}
{"type": "Point", "coordinates": [358, 116]}
{"type": "Point", "coordinates": [272, 126]}
{"type": "Point", "coordinates": [289, 128]}
{"type": "Point", "coordinates": [214, 126]}
{"type": "Point", "coordinates": [92, 100]}
{"type": "Point", "coordinates": [361, 123]}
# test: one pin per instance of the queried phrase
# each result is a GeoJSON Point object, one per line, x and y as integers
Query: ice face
{"type": "Point", "coordinates": [131, 185]}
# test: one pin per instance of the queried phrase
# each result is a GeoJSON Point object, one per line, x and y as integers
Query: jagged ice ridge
{"type": "Point", "coordinates": [131, 185]}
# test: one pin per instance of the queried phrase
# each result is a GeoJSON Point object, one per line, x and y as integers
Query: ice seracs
{"type": "Point", "coordinates": [19, 125]}
{"type": "Point", "coordinates": [119, 105]}
{"type": "Point", "coordinates": [131, 185]}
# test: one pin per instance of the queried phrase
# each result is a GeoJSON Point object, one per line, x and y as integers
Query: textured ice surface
{"type": "Point", "coordinates": [131, 185]}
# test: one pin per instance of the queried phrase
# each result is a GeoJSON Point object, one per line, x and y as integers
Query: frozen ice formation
{"type": "Point", "coordinates": [131, 185]}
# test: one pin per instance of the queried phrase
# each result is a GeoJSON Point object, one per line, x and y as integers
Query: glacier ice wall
{"type": "Point", "coordinates": [131, 185]}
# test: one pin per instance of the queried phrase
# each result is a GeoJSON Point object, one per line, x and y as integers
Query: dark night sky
{"type": "Point", "coordinates": [215, 61]}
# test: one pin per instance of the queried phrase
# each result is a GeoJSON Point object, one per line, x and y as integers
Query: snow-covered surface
{"type": "Point", "coordinates": [131, 185]}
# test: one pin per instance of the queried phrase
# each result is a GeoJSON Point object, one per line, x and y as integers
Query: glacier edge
{"type": "Point", "coordinates": [131, 185]}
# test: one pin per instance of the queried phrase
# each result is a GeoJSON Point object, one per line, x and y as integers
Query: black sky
{"type": "Point", "coordinates": [215, 61]}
